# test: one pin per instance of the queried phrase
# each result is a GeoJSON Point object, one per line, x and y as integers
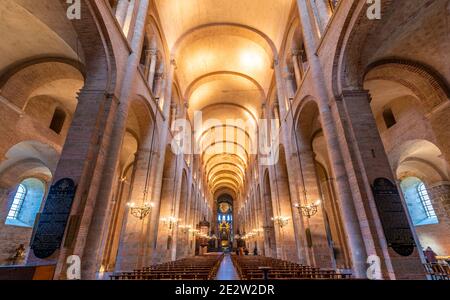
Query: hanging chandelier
{"type": "Point", "coordinates": [281, 220]}
{"type": "Point", "coordinates": [170, 221]}
{"type": "Point", "coordinates": [309, 210]}
{"type": "Point", "coordinates": [142, 211]}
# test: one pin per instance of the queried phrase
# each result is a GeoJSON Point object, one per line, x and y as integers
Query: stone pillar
{"type": "Point", "coordinates": [348, 209]}
{"type": "Point", "coordinates": [281, 191]}
{"type": "Point", "coordinates": [158, 82]}
{"type": "Point", "coordinates": [157, 173]}
{"type": "Point", "coordinates": [297, 69]}
{"type": "Point", "coordinates": [119, 216]}
{"type": "Point", "coordinates": [147, 61]}
{"type": "Point", "coordinates": [168, 91]}
{"type": "Point", "coordinates": [280, 85]}
{"type": "Point", "coordinates": [173, 114]}
{"type": "Point", "coordinates": [322, 12]}
{"type": "Point", "coordinates": [121, 11]}
{"type": "Point", "coordinates": [166, 234]}
{"type": "Point", "coordinates": [94, 117]}
{"type": "Point", "coordinates": [152, 68]}
{"type": "Point", "coordinates": [133, 243]}
{"type": "Point", "coordinates": [260, 221]}
{"type": "Point", "coordinates": [440, 123]}
{"type": "Point", "coordinates": [276, 111]}
{"type": "Point", "coordinates": [369, 163]}
{"type": "Point", "coordinates": [97, 233]}
{"type": "Point", "coordinates": [319, 248]}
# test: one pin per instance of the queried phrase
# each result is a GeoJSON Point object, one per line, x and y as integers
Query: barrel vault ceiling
{"type": "Point", "coordinates": [224, 50]}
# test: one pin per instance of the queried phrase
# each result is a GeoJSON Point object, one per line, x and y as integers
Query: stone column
{"type": "Point", "coordinates": [157, 173]}
{"type": "Point", "coordinates": [94, 117]}
{"type": "Point", "coordinates": [130, 251]}
{"type": "Point", "coordinates": [370, 162]}
{"type": "Point", "coordinates": [152, 68]}
{"type": "Point", "coordinates": [297, 69]}
{"type": "Point", "coordinates": [97, 233]}
{"type": "Point", "coordinates": [281, 191]}
{"type": "Point", "coordinates": [121, 11]}
{"type": "Point", "coordinates": [260, 223]}
{"type": "Point", "coordinates": [322, 12]}
{"type": "Point", "coordinates": [320, 250]}
{"type": "Point", "coordinates": [166, 234]}
{"type": "Point", "coordinates": [348, 209]}
{"type": "Point", "coordinates": [440, 123]}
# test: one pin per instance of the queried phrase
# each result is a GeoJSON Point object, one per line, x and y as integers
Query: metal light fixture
{"type": "Point", "coordinates": [170, 221]}
{"type": "Point", "coordinates": [308, 210]}
{"type": "Point", "coordinates": [281, 220]}
{"type": "Point", "coordinates": [185, 228]}
{"type": "Point", "coordinates": [142, 211]}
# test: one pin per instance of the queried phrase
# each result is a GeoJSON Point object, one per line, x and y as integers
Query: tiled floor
{"type": "Point", "coordinates": [227, 271]}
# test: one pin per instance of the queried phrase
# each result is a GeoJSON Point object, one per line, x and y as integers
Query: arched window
{"type": "Point", "coordinates": [418, 202]}
{"type": "Point", "coordinates": [16, 206]}
{"type": "Point", "coordinates": [426, 202]}
{"type": "Point", "coordinates": [57, 123]}
{"type": "Point", "coordinates": [26, 203]}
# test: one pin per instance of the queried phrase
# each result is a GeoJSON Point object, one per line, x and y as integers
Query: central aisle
{"type": "Point", "coordinates": [227, 271]}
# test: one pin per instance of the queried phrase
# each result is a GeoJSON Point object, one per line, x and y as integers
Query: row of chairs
{"type": "Point", "coordinates": [260, 267]}
{"type": "Point", "coordinates": [438, 271]}
{"type": "Point", "coordinates": [193, 268]}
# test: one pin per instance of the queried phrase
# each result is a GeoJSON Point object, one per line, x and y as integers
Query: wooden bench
{"type": "Point", "coordinates": [195, 268]}
{"type": "Point", "coordinates": [249, 268]}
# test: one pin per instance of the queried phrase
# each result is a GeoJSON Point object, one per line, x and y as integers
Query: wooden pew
{"type": "Point", "coordinates": [249, 268]}
{"type": "Point", "coordinates": [195, 268]}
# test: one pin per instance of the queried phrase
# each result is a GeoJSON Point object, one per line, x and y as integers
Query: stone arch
{"type": "Point", "coordinates": [324, 232]}
{"type": "Point", "coordinates": [25, 160]}
{"type": "Point", "coordinates": [48, 77]}
{"type": "Point", "coordinates": [100, 63]}
{"type": "Point", "coordinates": [364, 42]}
{"type": "Point", "coordinates": [420, 162]}
{"type": "Point", "coordinates": [425, 83]}
{"type": "Point", "coordinates": [241, 29]}
{"type": "Point", "coordinates": [141, 119]}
